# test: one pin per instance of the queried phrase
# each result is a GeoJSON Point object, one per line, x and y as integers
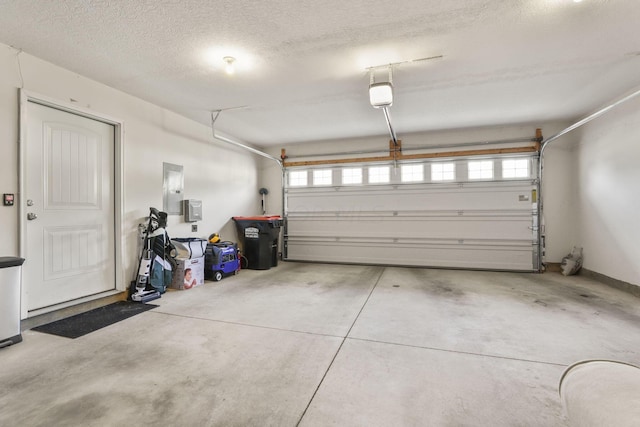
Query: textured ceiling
{"type": "Point", "coordinates": [301, 65]}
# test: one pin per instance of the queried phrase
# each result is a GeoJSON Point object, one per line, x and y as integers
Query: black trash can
{"type": "Point", "coordinates": [259, 237]}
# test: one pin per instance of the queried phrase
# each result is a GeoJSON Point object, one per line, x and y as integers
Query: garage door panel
{"type": "Point", "coordinates": [397, 227]}
{"type": "Point", "coordinates": [492, 257]}
{"type": "Point", "coordinates": [415, 198]}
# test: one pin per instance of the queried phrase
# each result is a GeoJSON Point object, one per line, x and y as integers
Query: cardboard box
{"type": "Point", "coordinates": [193, 269]}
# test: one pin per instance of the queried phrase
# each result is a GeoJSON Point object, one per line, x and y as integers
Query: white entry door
{"type": "Point", "coordinates": [69, 207]}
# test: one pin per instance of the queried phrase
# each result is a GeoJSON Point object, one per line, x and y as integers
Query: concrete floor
{"type": "Point", "coordinates": [319, 345]}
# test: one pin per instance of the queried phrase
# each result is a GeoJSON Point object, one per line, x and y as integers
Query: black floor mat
{"type": "Point", "coordinates": [84, 323]}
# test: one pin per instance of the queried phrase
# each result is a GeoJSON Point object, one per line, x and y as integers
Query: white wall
{"type": "Point", "coordinates": [557, 179]}
{"type": "Point", "coordinates": [558, 191]}
{"type": "Point", "coordinates": [608, 198]}
{"type": "Point", "coordinates": [223, 177]}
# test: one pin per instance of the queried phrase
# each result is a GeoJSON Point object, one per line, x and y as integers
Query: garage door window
{"type": "Point", "coordinates": [443, 172]}
{"type": "Point", "coordinates": [352, 176]}
{"type": "Point", "coordinates": [298, 178]}
{"type": "Point", "coordinates": [481, 169]}
{"type": "Point", "coordinates": [515, 168]}
{"type": "Point", "coordinates": [379, 175]}
{"type": "Point", "coordinates": [322, 177]}
{"type": "Point", "coordinates": [412, 173]}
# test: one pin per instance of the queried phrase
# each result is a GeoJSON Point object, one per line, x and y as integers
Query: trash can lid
{"type": "Point", "coordinates": [256, 218]}
{"type": "Point", "coordinates": [10, 261]}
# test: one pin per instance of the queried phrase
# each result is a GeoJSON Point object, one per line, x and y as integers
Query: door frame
{"type": "Point", "coordinates": [118, 188]}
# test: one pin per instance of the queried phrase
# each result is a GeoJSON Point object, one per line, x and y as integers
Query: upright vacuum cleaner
{"type": "Point", "coordinates": [154, 267]}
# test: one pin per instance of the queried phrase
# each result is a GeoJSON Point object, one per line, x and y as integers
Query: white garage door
{"type": "Point", "coordinates": [463, 213]}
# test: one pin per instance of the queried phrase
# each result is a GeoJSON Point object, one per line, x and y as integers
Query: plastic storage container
{"type": "Point", "coordinates": [259, 236]}
{"type": "Point", "coordinates": [10, 271]}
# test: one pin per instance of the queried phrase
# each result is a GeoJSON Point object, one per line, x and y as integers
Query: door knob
{"type": "Point", "coordinates": [31, 216]}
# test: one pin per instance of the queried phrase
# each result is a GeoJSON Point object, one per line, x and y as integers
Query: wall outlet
{"type": "Point", "coordinates": [194, 228]}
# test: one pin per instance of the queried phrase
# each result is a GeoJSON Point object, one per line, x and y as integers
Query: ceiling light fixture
{"type": "Point", "coordinates": [229, 68]}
